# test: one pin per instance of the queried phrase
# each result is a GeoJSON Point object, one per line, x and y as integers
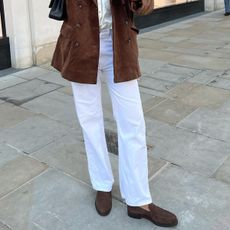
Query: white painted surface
{"type": "Point", "coordinates": [29, 29]}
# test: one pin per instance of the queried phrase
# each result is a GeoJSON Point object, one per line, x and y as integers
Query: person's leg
{"type": "Point", "coordinates": [128, 113]}
{"type": "Point", "coordinates": [133, 165]}
{"type": "Point", "coordinates": [87, 99]}
{"type": "Point", "coordinates": [227, 6]}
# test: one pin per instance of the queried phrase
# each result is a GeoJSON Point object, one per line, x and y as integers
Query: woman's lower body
{"type": "Point", "coordinates": [128, 114]}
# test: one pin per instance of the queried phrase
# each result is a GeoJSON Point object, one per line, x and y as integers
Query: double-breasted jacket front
{"type": "Point", "coordinates": [76, 54]}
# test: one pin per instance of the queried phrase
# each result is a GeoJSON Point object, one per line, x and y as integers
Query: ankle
{"type": "Point", "coordinates": [146, 207]}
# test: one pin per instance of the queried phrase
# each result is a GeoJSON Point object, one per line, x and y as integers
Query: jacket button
{"type": "Point", "coordinates": [129, 40]}
{"type": "Point", "coordinates": [78, 25]}
{"type": "Point", "coordinates": [126, 22]}
{"type": "Point", "coordinates": [76, 44]}
{"type": "Point", "coordinates": [80, 5]}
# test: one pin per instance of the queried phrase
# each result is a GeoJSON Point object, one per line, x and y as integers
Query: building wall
{"type": "Point", "coordinates": [44, 31]}
{"type": "Point", "coordinates": [211, 5]}
{"type": "Point", "coordinates": [33, 34]}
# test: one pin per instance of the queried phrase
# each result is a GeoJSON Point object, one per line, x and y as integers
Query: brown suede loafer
{"type": "Point", "coordinates": [103, 202]}
{"type": "Point", "coordinates": [157, 215]}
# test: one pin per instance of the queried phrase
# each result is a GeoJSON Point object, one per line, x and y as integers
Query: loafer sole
{"type": "Point", "coordinates": [139, 216]}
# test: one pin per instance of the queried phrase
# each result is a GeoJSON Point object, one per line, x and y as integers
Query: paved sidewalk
{"type": "Point", "coordinates": [185, 90]}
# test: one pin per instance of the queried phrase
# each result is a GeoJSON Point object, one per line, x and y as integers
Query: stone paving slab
{"type": "Point", "coordinates": [7, 153]}
{"type": "Point", "coordinates": [30, 73]}
{"type": "Point", "coordinates": [225, 107]}
{"type": "Point", "coordinates": [223, 172]}
{"type": "Point", "coordinates": [10, 80]}
{"type": "Point", "coordinates": [195, 153]}
{"type": "Point", "coordinates": [151, 102]}
{"type": "Point", "coordinates": [205, 76]}
{"type": "Point", "coordinates": [198, 51]}
{"type": "Point", "coordinates": [187, 72]}
{"type": "Point", "coordinates": [48, 67]}
{"type": "Point", "coordinates": [174, 39]}
{"type": "Point", "coordinates": [66, 90]}
{"type": "Point", "coordinates": [11, 115]}
{"type": "Point", "coordinates": [209, 46]}
{"type": "Point", "coordinates": [54, 77]}
{"type": "Point", "coordinates": [221, 83]}
{"type": "Point", "coordinates": [56, 105]}
{"type": "Point", "coordinates": [56, 201]}
{"type": "Point", "coordinates": [200, 202]}
{"type": "Point", "coordinates": [8, 71]}
{"type": "Point", "coordinates": [226, 74]}
{"type": "Point", "coordinates": [155, 84]}
{"type": "Point", "coordinates": [16, 169]}
{"type": "Point", "coordinates": [187, 43]}
{"type": "Point", "coordinates": [212, 35]}
{"type": "Point", "coordinates": [24, 92]}
{"type": "Point", "coordinates": [149, 43]}
{"type": "Point", "coordinates": [170, 111]}
{"type": "Point", "coordinates": [212, 123]}
{"type": "Point", "coordinates": [196, 61]}
{"type": "Point", "coordinates": [199, 95]}
{"type": "Point", "coordinates": [150, 66]}
{"type": "Point", "coordinates": [152, 36]}
{"type": "Point", "coordinates": [172, 77]}
{"type": "Point", "coordinates": [160, 55]}
{"type": "Point", "coordinates": [152, 92]}
{"type": "Point", "coordinates": [33, 133]}
{"type": "Point", "coordinates": [68, 154]}
{"type": "Point", "coordinates": [185, 33]}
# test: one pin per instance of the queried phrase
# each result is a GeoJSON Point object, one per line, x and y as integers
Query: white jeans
{"type": "Point", "coordinates": [128, 114]}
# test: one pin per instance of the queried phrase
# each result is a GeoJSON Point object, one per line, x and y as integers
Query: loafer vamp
{"type": "Point", "coordinates": [103, 202]}
{"type": "Point", "coordinates": [157, 215]}
{"type": "Point", "coordinates": [162, 217]}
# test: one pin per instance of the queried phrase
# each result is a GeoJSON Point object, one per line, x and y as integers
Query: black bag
{"type": "Point", "coordinates": [58, 10]}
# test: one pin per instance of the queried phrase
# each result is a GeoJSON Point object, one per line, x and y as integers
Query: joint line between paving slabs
{"type": "Point", "coordinates": [27, 182]}
{"type": "Point", "coordinates": [38, 226]}
{"type": "Point", "coordinates": [159, 171]}
{"type": "Point", "coordinates": [201, 134]}
{"type": "Point", "coordinates": [7, 225]}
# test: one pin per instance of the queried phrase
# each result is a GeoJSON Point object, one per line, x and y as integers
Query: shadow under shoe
{"type": "Point", "coordinates": [103, 202]}
{"type": "Point", "coordinates": [157, 215]}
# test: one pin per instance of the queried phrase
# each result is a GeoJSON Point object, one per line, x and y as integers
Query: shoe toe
{"type": "Point", "coordinates": [163, 217]}
{"type": "Point", "coordinates": [103, 208]}
{"type": "Point", "coordinates": [103, 203]}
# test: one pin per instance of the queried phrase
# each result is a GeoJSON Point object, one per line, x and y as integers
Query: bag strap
{"type": "Point", "coordinates": [51, 3]}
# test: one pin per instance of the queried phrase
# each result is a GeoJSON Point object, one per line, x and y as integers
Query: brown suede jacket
{"type": "Point", "coordinates": [76, 54]}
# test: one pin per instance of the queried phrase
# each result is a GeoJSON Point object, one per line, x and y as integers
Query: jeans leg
{"type": "Point", "coordinates": [87, 99]}
{"type": "Point", "coordinates": [128, 113]}
{"type": "Point", "coordinates": [132, 147]}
